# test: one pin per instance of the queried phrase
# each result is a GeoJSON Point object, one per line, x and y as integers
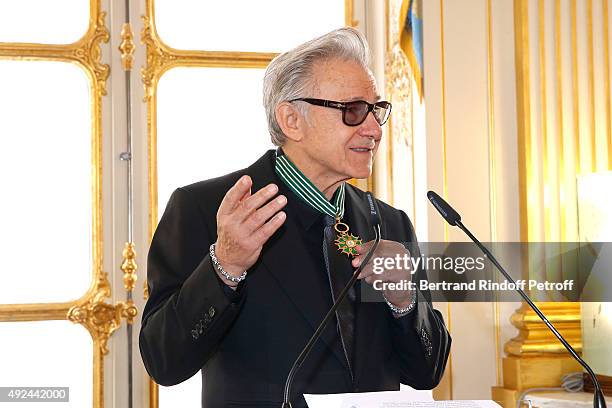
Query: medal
{"type": "Point", "coordinates": [310, 194]}
{"type": "Point", "coordinates": [346, 242]}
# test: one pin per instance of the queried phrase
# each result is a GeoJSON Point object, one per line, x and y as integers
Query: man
{"type": "Point", "coordinates": [242, 268]}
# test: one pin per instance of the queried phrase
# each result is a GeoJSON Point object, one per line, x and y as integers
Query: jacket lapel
{"type": "Point", "coordinates": [287, 259]}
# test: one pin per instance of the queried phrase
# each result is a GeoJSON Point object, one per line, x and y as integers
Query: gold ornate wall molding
{"type": "Point", "coordinates": [91, 310]}
{"type": "Point", "coordinates": [162, 57]}
{"type": "Point", "coordinates": [399, 84]}
{"type": "Point", "coordinates": [399, 91]}
{"type": "Point", "coordinates": [85, 52]}
{"type": "Point", "coordinates": [127, 47]}
{"type": "Point", "coordinates": [101, 319]}
{"type": "Point", "coordinates": [129, 266]}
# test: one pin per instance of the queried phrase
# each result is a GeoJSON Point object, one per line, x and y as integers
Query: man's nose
{"type": "Point", "coordinates": [370, 127]}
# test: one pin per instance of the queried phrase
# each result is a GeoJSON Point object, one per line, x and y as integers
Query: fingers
{"type": "Point", "coordinates": [390, 262]}
{"type": "Point", "coordinates": [246, 195]}
{"type": "Point", "coordinates": [233, 196]}
{"type": "Point", "coordinates": [246, 221]}
{"type": "Point", "coordinates": [258, 199]}
{"type": "Point", "coordinates": [361, 250]}
{"type": "Point", "coordinates": [369, 274]}
{"type": "Point", "coordinates": [366, 271]}
{"type": "Point", "coordinates": [240, 203]}
{"type": "Point", "coordinates": [259, 217]}
{"type": "Point", "coordinates": [269, 228]}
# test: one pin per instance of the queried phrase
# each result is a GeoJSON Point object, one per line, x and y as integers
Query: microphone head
{"type": "Point", "coordinates": [373, 206]}
{"type": "Point", "coordinates": [450, 215]}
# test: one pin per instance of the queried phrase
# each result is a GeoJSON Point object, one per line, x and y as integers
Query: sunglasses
{"type": "Point", "coordinates": [354, 113]}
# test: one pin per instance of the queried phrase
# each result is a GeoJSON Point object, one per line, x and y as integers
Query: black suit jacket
{"type": "Point", "coordinates": [246, 342]}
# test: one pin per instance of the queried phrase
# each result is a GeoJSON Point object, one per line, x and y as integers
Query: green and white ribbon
{"type": "Point", "coordinates": [307, 191]}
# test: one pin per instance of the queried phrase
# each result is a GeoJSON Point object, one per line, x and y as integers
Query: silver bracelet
{"type": "Point", "coordinates": [405, 310]}
{"type": "Point", "coordinates": [218, 267]}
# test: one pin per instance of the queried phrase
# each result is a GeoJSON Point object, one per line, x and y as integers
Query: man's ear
{"type": "Point", "coordinates": [290, 121]}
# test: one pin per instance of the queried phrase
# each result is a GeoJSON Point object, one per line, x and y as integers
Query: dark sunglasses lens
{"type": "Point", "coordinates": [381, 111]}
{"type": "Point", "coordinates": [355, 113]}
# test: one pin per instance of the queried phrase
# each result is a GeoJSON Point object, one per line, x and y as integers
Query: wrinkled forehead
{"type": "Point", "coordinates": [343, 79]}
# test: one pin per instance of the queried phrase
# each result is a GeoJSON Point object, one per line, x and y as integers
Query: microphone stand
{"type": "Point", "coordinates": [454, 219]}
{"type": "Point", "coordinates": [598, 398]}
{"type": "Point", "coordinates": [330, 314]}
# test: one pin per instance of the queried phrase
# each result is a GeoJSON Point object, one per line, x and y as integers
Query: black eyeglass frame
{"type": "Point", "coordinates": [342, 106]}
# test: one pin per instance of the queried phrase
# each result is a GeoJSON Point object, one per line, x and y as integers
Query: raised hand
{"type": "Point", "coordinates": [245, 222]}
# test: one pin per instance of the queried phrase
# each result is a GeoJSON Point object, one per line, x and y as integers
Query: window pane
{"type": "Point", "coordinates": [47, 354]}
{"type": "Point", "coordinates": [45, 182]}
{"type": "Point", "coordinates": [210, 122]}
{"type": "Point", "coordinates": [43, 21]}
{"type": "Point", "coordinates": [243, 25]}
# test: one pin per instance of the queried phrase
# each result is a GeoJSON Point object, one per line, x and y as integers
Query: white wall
{"type": "Point", "coordinates": [472, 162]}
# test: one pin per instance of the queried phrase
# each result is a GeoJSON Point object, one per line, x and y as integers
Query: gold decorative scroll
{"type": "Point", "coordinates": [398, 90]}
{"type": "Point", "coordinates": [129, 311]}
{"type": "Point", "coordinates": [86, 51]}
{"type": "Point", "coordinates": [100, 318]}
{"type": "Point", "coordinates": [397, 73]}
{"type": "Point", "coordinates": [89, 53]}
{"type": "Point", "coordinates": [161, 57]}
{"type": "Point", "coordinates": [127, 47]}
{"type": "Point", "coordinates": [129, 266]}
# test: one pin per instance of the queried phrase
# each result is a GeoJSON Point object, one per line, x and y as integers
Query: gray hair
{"type": "Point", "coordinates": [289, 75]}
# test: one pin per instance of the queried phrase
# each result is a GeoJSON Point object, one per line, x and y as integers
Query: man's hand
{"type": "Point", "coordinates": [245, 222]}
{"type": "Point", "coordinates": [387, 249]}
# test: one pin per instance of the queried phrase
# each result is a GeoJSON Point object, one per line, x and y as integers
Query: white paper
{"type": "Point", "coordinates": [366, 399]}
{"type": "Point", "coordinates": [389, 399]}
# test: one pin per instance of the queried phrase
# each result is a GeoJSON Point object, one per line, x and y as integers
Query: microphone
{"type": "Point", "coordinates": [375, 221]}
{"type": "Point", "coordinates": [450, 215]}
{"type": "Point", "coordinates": [454, 219]}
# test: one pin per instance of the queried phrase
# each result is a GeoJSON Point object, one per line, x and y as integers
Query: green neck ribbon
{"type": "Point", "coordinates": [307, 191]}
